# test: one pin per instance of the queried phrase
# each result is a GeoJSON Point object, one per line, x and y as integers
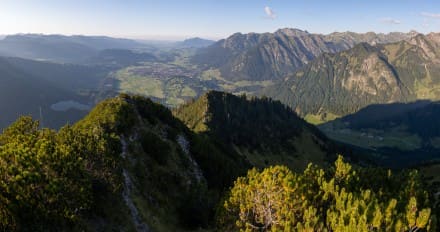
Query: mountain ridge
{"type": "Point", "coordinates": [60, 48]}
{"type": "Point", "coordinates": [271, 56]}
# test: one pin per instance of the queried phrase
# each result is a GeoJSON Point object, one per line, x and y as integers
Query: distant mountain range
{"type": "Point", "coordinates": [60, 48]}
{"type": "Point", "coordinates": [271, 56]}
{"type": "Point", "coordinates": [80, 49]}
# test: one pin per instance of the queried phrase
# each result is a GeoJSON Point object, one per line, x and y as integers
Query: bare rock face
{"type": "Point", "coordinates": [426, 44]}
{"type": "Point", "coordinates": [434, 37]}
{"type": "Point", "coordinates": [373, 78]}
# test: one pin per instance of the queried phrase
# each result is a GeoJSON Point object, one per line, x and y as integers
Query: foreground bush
{"type": "Point", "coordinates": [342, 198]}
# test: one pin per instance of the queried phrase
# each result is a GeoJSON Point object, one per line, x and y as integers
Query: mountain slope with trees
{"type": "Point", "coordinates": [128, 151]}
{"type": "Point", "coordinates": [131, 165]}
{"type": "Point", "coordinates": [131, 151]}
{"type": "Point", "coordinates": [266, 132]}
{"type": "Point", "coordinates": [336, 85]}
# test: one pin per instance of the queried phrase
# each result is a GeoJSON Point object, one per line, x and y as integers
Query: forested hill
{"type": "Point", "coordinates": [236, 119]}
{"type": "Point", "coordinates": [265, 131]}
{"type": "Point", "coordinates": [130, 165]}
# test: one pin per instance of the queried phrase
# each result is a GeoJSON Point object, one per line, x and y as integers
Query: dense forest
{"type": "Point", "coordinates": [252, 122]}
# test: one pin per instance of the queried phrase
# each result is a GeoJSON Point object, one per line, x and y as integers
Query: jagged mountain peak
{"type": "Point", "coordinates": [292, 32]}
{"type": "Point", "coordinates": [429, 44]}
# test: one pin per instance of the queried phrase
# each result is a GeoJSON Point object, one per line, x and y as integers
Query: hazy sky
{"type": "Point", "coordinates": [176, 19]}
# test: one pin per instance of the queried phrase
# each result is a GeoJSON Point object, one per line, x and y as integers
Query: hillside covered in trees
{"type": "Point", "coordinates": [264, 131]}
{"type": "Point", "coordinates": [133, 165]}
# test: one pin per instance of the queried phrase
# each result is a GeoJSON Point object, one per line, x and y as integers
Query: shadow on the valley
{"type": "Point", "coordinates": [370, 115]}
{"type": "Point", "coordinates": [419, 119]}
{"type": "Point", "coordinates": [390, 157]}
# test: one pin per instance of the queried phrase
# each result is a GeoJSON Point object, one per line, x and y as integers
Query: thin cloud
{"type": "Point", "coordinates": [390, 21]}
{"type": "Point", "coordinates": [269, 12]}
{"type": "Point", "coordinates": [431, 15]}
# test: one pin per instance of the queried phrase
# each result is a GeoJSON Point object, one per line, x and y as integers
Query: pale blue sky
{"type": "Point", "coordinates": [176, 19]}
